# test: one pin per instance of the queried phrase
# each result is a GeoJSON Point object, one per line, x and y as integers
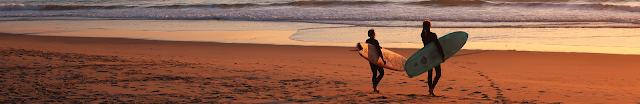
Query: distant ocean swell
{"type": "Point", "coordinates": [442, 3]}
{"type": "Point", "coordinates": [323, 15]}
{"type": "Point", "coordinates": [21, 7]}
{"type": "Point", "coordinates": [462, 11]}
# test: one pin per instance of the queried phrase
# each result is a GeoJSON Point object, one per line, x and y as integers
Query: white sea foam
{"type": "Point", "coordinates": [530, 23]}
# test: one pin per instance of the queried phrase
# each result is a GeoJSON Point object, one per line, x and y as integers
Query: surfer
{"type": "Point", "coordinates": [428, 37]}
{"type": "Point", "coordinates": [375, 68]}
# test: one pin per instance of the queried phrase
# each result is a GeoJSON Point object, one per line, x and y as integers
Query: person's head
{"type": "Point", "coordinates": [426, 25]}
{"type": "Point", "coordinates": [372, 34]}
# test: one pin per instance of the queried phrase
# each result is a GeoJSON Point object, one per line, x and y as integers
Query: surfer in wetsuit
{"type": "Point", "coordinates": [428, 37]}
{"type": "Point", "coordinates": [375, 68]}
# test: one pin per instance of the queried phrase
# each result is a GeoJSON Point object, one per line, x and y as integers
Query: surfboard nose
{"type": "Point", "coordinates": [359, 46]}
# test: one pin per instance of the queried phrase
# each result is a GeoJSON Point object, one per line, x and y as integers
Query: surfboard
{"type": "Point", "coordinates": [428, 57]}
{"type": "Point", "coordinates": [394, 60]}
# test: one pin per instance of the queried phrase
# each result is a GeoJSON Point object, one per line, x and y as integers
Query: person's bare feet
{"type": "Point", "coordinates": [375, 89]}
{"type": "Point", "coordinates": [431, 92]}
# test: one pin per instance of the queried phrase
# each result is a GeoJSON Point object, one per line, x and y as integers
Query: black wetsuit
{"type": "Point", "coordinates": [428, 37]}
{"type": "Point", "coordinates": [375, 68]}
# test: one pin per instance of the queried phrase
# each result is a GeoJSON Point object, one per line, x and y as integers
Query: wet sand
{"type": "Point", "coordinates": [44, 69]}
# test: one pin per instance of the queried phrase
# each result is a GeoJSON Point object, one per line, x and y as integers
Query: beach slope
{"type": "Point", "coordinates": [44, 69]}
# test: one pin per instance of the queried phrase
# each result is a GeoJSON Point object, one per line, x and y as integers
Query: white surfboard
{"type": "Point", "coordinates": [394, 60]}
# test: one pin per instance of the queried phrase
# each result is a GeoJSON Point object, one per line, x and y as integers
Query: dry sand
{"type": "Point", "coordinates": [43, 69]}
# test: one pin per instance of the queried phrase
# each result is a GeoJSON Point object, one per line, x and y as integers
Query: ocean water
{"type": "Point", "coordinates": [619, 11]}
{"type": "Point", "coordinates": [532, 25]}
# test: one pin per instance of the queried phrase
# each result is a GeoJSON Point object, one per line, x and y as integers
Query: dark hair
{"type": "Point", "coordinates": [371, 33]}
{"type": "Point", "coordinates": [426, 23]}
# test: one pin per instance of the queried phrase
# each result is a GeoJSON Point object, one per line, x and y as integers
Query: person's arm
{"type": "Point", "coordinates": [444, 58]}
{"type": "Point", "coordinates": [380, 52]}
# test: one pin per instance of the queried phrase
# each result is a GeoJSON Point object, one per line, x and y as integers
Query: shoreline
{"type": "Point", "coordinates": [580, 40]}
{"type": "Point", "coordinates": [94, 70]}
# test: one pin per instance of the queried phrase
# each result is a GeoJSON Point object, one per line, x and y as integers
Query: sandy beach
{"type": "Point", "coordinates": [49, 69]}
{"type": "Point", "coordinates": [298, 51]}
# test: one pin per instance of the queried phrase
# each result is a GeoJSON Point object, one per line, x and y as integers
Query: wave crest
{"type": "Point", "coordinates": [450, 3]}
{"type": "Point", "coordinates": [597, 6]}
{"type": "Point", "coordinates": [329, 4]}
{"type": "Point", "coordinates": [15, 7]}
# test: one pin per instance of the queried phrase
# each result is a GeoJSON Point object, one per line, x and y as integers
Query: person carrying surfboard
{"type": "Point", "coordinates": [428, 37]}
{"type": "Point", "coordinates": [375, 68]}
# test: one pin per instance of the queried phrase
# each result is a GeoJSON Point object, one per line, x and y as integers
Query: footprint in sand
{"type": "Point", "coordinates": [492, 84]}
